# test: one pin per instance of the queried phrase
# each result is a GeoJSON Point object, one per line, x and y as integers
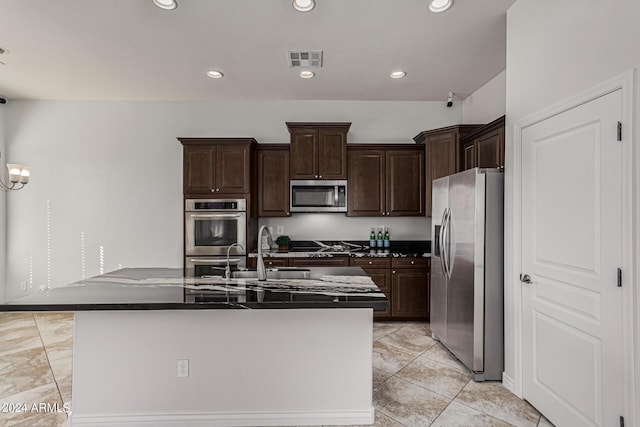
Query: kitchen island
{"type": "Point", "coordinates": [152, 347]}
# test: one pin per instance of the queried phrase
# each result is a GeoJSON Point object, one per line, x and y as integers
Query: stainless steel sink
{"type": "Point", "coordinates": [274, 273]}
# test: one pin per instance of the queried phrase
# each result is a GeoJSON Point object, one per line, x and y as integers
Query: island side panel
{"type": "Point", "coordinates": [246, 367]}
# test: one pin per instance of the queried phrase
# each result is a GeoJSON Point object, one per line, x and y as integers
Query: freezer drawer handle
{"type": "Point", "coordinates": [525, 278]}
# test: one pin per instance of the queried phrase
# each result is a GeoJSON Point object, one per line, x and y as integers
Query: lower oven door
{"type": "Point", "coordinates": [212, 266]}
{"type": "Point", "coordinates": [211, 233]}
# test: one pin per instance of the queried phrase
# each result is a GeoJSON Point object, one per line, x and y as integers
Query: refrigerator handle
{"type": "Point", "coordinates": [441, 241]}
{"type": "Point", "coordinates": [448, 248]}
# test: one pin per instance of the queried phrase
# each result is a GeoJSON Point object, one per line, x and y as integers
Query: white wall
{"type": "Point", "coordinates": [106, 184]}
{"type": "Point", "coordinates": [487, 103]}
{"type": "Point", "coordinates": [3, 212]}
{"type": "Point", "coordinates": [554, 51]}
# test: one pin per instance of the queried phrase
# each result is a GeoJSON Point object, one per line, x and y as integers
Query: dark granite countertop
{"type": "Point", "coordinates": [353, 248]}
{"type": "Point", "coordinates": [168, 289]}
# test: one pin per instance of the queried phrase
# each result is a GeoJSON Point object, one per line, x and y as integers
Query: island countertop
{"type": "Point", "coordinates": [169, 289]}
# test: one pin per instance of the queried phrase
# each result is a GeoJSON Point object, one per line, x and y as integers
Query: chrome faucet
{"type": "Point", "coordinates": [262, 272]}
{"type": "Point", "coordinates": [227, 270]}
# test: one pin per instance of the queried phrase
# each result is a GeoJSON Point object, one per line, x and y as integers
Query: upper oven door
{"type": "Point", "coordinates": [211, 233]}
{"type": "Point", "coordinates": [318, 196]}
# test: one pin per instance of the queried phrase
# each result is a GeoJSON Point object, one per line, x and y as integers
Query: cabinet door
{"type": "Point", "coordinates": [489, 149]}
{"type": "Point", "coordinates": [468, 156]}
{"type": "Point", "coordinates": [405, 182]}
{"type": "Point", "coordinates": [441, 160]}
{"type": "Point", "coordinates": [304, 154]}
{"type": "Point", "coordinates": [198, 169]}
{"type": "Point", "coordinates": [410, 293]}
{"type": "Point", "coordinates": [232, 169]}
{"type": "Point", "coordinates": [366, 183]}
{"type": "Point", "coordinates": [273, 183]}
{"type": "Point", "coordinates": [382, 278]}
{"type": "Point", "coordinates": [332, 154]}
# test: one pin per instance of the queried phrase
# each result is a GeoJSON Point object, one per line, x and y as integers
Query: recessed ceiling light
{"type": "Point", "coordinates": [166, 4]}
{"type": "Point", "coordinates": [304, 5]}
{"type": "Point", "coordinates": [307, 74]}
{"type": "Point", "coordinates": [397, 74]}
{"type": "Point", "coordinates": [440, 5]}
{"type": "Point", "coordinates": [215, 74]}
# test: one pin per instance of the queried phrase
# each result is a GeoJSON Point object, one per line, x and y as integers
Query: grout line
{"type": "Point", "coordinates": [46, 354]}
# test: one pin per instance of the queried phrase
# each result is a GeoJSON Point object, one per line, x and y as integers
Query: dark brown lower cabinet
{"type": "Point", "coordinates": [252, 262]}
{"type": "Point", "coordinates": [405, 282]}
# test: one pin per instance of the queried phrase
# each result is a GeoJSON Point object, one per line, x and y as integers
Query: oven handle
{"type": "Point", "coordinates": [212, 261]}
{"type": "Point", "coordinates": [209, 216]}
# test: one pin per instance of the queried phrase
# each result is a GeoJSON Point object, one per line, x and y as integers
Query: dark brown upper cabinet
{"type": "Point", "coordinates": [216, 166]}
{"type": "Point", "coordinates": [484, 148]}
{"type": "Point", "coordinates": [273, 180]}
{"type": "Point", "coordinates": [318, 150]}
{"type": "Point", "coordinates": [443, 157]}
{"type": "Point", "coordinates": [385, 181]}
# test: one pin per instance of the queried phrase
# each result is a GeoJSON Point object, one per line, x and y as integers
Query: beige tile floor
{"type": "Point", "coordinates": [416, 381]}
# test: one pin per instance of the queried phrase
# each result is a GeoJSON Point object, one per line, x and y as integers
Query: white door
{"type": "Point", "coordinates": [571, 250]}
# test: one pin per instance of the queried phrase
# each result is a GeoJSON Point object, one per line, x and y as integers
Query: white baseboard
{"type": "Point", "coordinates": [219, 419]}
{"type": "Point", "coordinates": [509, 384]}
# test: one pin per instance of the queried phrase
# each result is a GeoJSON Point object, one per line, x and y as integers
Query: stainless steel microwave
{"type": "Point", "coordinates": [318, 195]}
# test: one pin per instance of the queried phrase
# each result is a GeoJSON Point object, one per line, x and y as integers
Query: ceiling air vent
{"type": "Point", "coordinates": [307, 59]}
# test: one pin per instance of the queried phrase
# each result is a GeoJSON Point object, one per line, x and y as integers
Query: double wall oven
{"type": "Point", "coordinates": [211, 228]}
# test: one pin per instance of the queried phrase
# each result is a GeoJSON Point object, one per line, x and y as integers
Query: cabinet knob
{"type": "Point", "coordinates": [213, 190]}
{"type": "Point", "coordinates": [270, 262]}
{"type": "Point", "coordinates": [370, 262]}
{"type": "Point", "coordinates": [320, 176]}
{"type": "Point", "coordinates": [412, 262]}
{"type": "Point", "coordinates": [217, 189]}
{"type": "Point", "coordinates": [316, 176]}
{"type": "Point", "coordinates": [394, 272]}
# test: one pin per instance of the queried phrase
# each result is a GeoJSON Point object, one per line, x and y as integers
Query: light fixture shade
{"type": "Point", "coordinates": [397, 74]}
{"type": "Point", "coordinates": [440, 5]}
{"type": "Point", "coordinates": [304, 5]}
{"type": "Point", "coordinates": [166, 4]}
{"type": "Point", "coordinates": [14, 172]}
{"type": "Point", "coordinates": [25, 173]}
{"type": "Point", "coordinates": [215, 74]}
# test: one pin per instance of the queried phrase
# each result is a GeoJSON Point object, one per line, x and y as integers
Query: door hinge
{"type": "Point", "coordinates": [619, 277]}
{"type": "Point", "coordinates": [621, 421]}
{"type": "Point", "coordinates": [619, 131]}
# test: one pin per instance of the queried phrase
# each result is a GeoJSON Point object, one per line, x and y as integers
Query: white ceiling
{"type": "Point", "coordinates": [130, 49]}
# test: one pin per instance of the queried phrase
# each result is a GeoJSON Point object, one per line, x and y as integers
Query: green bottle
{"type": "Point", "coordinates": [372, 238]}
{"type": "Point", "coordinates": [380, 238]}
{"type": "Point", "coordinates": [387, 242]}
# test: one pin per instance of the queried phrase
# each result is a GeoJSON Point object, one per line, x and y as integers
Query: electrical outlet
{"type": "Point", "coordinates": [271, 230]}
{"type": "Point", "coordinates": [280, 230]}
{"type": "Point", "coordinates": [23, 286]}
{"type": "Point", "coordinates": [183, 368]}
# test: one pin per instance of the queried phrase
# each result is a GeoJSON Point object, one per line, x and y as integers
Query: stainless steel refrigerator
{"type": "Point", "coordinates": [467, 269]}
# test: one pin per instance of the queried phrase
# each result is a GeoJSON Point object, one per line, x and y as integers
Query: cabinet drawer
{"type": "Point", "coordinates": [410, 262]}
{"type": "Point", "coordinates": [252, 262]}
{"type": "Point", "coordinates": [276, 262]}
{"type": "Point", "coordinates": [319, 262]}
{"type": "Point", "coordinates": [371, 262]}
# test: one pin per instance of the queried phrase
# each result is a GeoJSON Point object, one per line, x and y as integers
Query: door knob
{"type": "Point", "coordinates": [525, 278]}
